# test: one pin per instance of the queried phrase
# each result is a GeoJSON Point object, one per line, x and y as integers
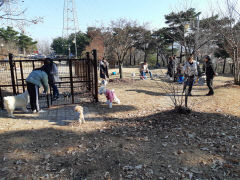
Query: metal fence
{"type": "Point", "coordinates": [78, 79]}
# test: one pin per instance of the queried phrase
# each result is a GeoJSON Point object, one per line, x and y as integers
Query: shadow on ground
{"type": "Point", "coordinates": [149, 147]}
{"type": "Point", "coordinates": [151, 93]}
{"type": "Point", "coordinates": [64, 115]}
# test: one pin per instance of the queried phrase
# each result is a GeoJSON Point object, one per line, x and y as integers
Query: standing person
{"type": "Point", "coordinates": [104, 69]}
{"type": "Point", "coordinates": [54, 78]}
{"type": "Point", "coordinates": [210, 73]}
{"type": "Point", "coordinates": [35, 80]}
{"type": "Point", "coordinates": [52, 72]}
{"type": "Point", "coordinates": [144, 69]}
{"type": "Point", "coordinates": [190, 71]}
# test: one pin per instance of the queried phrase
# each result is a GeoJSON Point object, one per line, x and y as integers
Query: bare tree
{"type": "Point", "coordinates": [227, 26]}
{"type": "Point", "coordinates": [44, 46]}
{"type": "Point", "coordinates": [174, 91]}
{"type": "Point", "coordinates": [15, 14]}
{"type": "Point", "coordinates": [118, 39]}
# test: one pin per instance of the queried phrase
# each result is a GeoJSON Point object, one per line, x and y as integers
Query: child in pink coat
{"type": "Point", "coordinates": [110, 95]}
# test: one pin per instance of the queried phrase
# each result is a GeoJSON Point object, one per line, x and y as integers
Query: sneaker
{"type": "Point", "coordinates": [34, 111]}
{"type": "Point", "coordinates": [41, 111]}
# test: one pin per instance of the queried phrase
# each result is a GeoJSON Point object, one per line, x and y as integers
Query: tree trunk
{"type": "Point", "coordinates": [236, 67]}
{"type": "Point", "coordinates": [181, 55]}
{"type": "Point", "coordinates": [224, 65]}
{"type": "Point", "coordinates": [134, 59]}
{"type": "Point", "coordinates": [157, 57]}
{"type": "Point", "coordinates": [130, 57]}
{"type": "Point", "coordinates": [216, 67]}
{"type": "Point", "coordinates": [163, 61]}
{"type": "Point", "coordinates": [120, 69]}
{"type": "Point", "coordinates": [145, 55]}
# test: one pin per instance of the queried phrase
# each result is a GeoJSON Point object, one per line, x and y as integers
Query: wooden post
{"type": "Point", "coordinates": [12, 73]}
{"type": "Point", "coordinates": [95, 74]}
{"type": "Point", "coordinates": [71, 79]}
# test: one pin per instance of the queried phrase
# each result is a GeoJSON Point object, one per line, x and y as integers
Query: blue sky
{"type": "Point", "coordinates": [101, 12]}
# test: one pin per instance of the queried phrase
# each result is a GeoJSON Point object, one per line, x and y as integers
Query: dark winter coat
{"type": "Point", "coordinates": [209, 69]}
{"type": "Point", "coordinates": [103, 70]}
{"type": "Point", "coordinates": [51, 70]}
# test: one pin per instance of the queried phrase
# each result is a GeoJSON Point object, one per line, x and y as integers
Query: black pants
{"type": "Point", "coordinates": [33, 91]}
{"type": "Point", "coordinates": [188, 82]}
{"type": "Point", "coordinates": [210, 85]}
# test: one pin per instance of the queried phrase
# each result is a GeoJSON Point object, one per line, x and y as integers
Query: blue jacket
{"type": "Point", "coordinates": [39, 78]}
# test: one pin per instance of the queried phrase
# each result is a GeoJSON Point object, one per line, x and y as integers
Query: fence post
{"type": "Point", "coordinates": [1, 99]}
{"type": "Point", "coordinates": [71, 79]}
{"type": "Point", "coordinates": [95, 74]}
{"type": "Point", "coordinates": [12, 73]}
{"type": "Point", "coordinates": [22, 77]}
{"type": "Point", "coordinates": [89, 75]}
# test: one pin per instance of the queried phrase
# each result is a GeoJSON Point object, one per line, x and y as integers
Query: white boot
{"type": "Point", "coordinates": [110, 105]}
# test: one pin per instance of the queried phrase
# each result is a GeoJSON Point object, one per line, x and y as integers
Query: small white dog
{"type": "Point", "coordinates": [79, 109]}
{"type": "Point", "coordinates": [18, 101]}
{"type": "Point", "coordinates": [103, 82]}
{"type": "Point", "coordinates": [110, 95]}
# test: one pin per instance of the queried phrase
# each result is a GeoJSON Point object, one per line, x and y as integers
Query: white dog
{"type": "Point", "coordinates": [110, 95]}
{"type": "Point", "coordinates": [18, 101]}
{"type": "Point", "coordinates": [79, 109]}
{"type": "Point", "coordinates": [103, 82]}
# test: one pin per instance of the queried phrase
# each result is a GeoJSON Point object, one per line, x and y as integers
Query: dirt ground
{"type": "Point", "coordinates": [142, 138]}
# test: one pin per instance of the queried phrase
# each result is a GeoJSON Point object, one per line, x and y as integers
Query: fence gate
{"type": "Point", "coordinates": [78, 79]}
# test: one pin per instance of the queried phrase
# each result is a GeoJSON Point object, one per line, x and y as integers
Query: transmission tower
{"type": "Point", "coordinates": [70, 22]}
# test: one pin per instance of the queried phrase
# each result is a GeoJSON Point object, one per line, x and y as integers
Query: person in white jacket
{"type": "Point", "coordinates": [190, 71]}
